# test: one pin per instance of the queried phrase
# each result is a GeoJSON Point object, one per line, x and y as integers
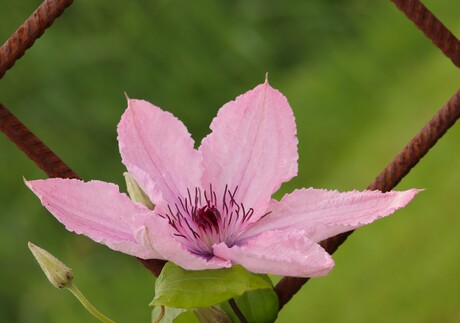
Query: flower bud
{"type": "Point", "coordinates": [58, 274]}
{"type": "Point", "coordinates": [136, 193]}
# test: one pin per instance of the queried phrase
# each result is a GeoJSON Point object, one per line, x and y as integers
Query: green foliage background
{"type": "Point", "coordinates": [360, 78]}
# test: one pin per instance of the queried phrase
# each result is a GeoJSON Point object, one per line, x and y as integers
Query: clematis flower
{"type": "Point", "coordinates": [213, 205]}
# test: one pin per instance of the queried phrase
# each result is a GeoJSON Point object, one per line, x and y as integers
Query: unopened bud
{"type": "Point", "coordinates": [58, 274]}
{"type": "Point", "coordinates": [136, 193]}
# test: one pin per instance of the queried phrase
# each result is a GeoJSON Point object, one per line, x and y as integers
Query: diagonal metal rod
{"type": "Point", "coordinates": [45, 15]}
{"type": "Point", "coordinates": [388, 179]}
{"type": "Point", "coordinates": [445, 40]}
{"type": "Point", "coordinates": [432, 27]}
{"type": "Point", "coordinates": [48, 161]}
{"type": "Point", "coordinates": [29, 32]}
{"type": "Point", "coordinates": [13, 49]}
{"type": "Point", "coordinates": [33, 147]}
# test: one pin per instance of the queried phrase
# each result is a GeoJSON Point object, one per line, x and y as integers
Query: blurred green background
{"type": "Point", "coordinates": [360, 78]}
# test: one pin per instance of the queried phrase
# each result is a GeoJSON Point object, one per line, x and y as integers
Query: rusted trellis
{"type": "Point", "coordinates": [53, 166]}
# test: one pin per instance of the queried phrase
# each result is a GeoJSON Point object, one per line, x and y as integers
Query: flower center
{"type": "Point", "coordinates": [202, 220]}
{"type": "Point", "coordinates": [207, 218]}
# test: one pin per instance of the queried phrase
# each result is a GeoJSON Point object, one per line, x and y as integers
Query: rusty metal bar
{"type": "Point", "coordinates": [419, 146]}
{"type": "Point", "coordinates": [432, 27]}
{"type": "Point", "coordinates": [45, 15]}
{"type": "Point", "coordinates": [36, 150]}
{"type": "Point", "coordinates": [435, 30]}
{"type": "Point", "coordinates": [48, 161]}
{"type": "Point", "coordinates": [29, 32]}
{"type": "Point", "coordinates": [388, 179]}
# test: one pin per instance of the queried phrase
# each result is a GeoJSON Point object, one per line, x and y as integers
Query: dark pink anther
{"type": "Point", "coordinates": [207, 218]}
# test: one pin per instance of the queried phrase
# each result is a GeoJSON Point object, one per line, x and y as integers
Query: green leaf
{"type": "Point", "coordinates": [211, 314]}
{"type": "Point", "coordinates": [187, 317]}
{"type": "Point", "coordinates": [180, 288]}
{"type": "Point", "coordinates": [258, 306]}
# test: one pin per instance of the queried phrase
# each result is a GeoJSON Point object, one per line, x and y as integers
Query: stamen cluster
{"type": "Point", "coordinates": [202, 220]}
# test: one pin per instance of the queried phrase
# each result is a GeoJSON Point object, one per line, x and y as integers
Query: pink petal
{"type": "Point", "coordinates": [160, 236]}
{"type": "Point", "coordinates": [287, 253]}
{"type": "Point", "coordinates": [95, 209]}
{"type": "Point", "coordinates": [158, 152]}
{"type": "Point", "coordinates": [253, 145]}
{"type": "Point", "coordinates": [323, 214]}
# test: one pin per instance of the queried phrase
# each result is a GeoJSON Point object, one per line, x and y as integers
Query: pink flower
{"type": "Point", "coordinates": [213, 205]}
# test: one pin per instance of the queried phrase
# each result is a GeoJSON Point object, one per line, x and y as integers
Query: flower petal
{"type": "Point", "coordinates": [253, 145]}
{"type": "Point", "coordinates": [158, 151]}
{"type": "Point", "coordinates": [95, 209]}
{"type": "Point", "coordinates": [323, 214]}
{"type": "Point", "coordinates": [160, 236]}
{"type": "Point", "coordinates": [288, 253]}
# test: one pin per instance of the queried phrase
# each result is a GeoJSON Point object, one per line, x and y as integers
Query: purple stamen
{"type": "Point", "coordinates": [203, 223]}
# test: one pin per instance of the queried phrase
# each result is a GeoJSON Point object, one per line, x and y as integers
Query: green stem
{"type": "Point", "coordinates": [237, 311]}
{"type": "Point", "coordinates": [84, 301]}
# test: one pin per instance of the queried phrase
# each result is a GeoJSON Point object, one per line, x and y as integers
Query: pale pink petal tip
{"type": "Point", "coordinates": [95, 209]}
{"type": "Point", "coordinates": [158, 151]}
{"type": "Point", "coordinates": [323, 213]}
{"type": "Point", "coordinates": [253, 145]}
{"type": "Point", "coordinates": [281, 253]}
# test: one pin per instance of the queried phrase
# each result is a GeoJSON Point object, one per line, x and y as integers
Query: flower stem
{"type": "Point", "coordinates": [84, 301]}
{"type": "Point", "coordinates": [237, 311]}
{"type": "Point", "coordinates": [162, 313]}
